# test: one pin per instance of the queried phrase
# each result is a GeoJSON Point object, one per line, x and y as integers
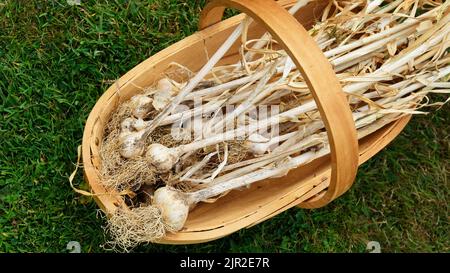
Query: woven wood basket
{"type": "Point", "coordinates": [310, 186]}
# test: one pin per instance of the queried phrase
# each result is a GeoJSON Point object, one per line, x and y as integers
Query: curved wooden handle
{"type": "Point", "coordinates": [320, 78]}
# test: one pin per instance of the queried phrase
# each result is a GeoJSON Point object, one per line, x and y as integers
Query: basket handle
{"type": "Point", "coordinates": [320, 78]}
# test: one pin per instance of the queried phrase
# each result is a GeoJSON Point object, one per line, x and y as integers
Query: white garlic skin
{"type": "Point", "coordinates": [163, 95]}
{"type": "Point", "coordinates": [164, 85]}
{"type": "Point", "coordinates": [257, 144]}
{"type": "Point", "coordinates": [161, 157]}
{"type": "Point", "coordinates": [256, 148]}
{"type": "Point", "coordinates": [174, 208]}
{"type": "Point", "coordinates": [139, 124]}
{"type": "Point", "coordinates": [130, 145]}
{"type": "Point", "coordinates": [133, 124]}
{"type": "Point", "coordinates": [127, 125]}
{"type": "Point", "coordinates": [141, 106]}
{"type": "Point", "coordinates": [257, 138]}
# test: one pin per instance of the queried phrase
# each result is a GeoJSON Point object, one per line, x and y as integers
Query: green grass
{"type": "Point", "coordinates": [55, 62]}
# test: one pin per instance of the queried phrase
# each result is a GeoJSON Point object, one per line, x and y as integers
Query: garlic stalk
{"type": "Point", "coordinates": [299, 139]}
{"type": "Point", "coordinates": [164, 158]}
{"type": "Point", "coordinates": [374, 45]}
{"type": "Point", "coordinates": [190, 86]}
{"type": "Point", "coordinates": [175, 205]}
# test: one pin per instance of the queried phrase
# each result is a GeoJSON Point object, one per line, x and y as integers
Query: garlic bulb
{"type": "Point", "coordinates": [161, 157]}
{"type": "Point", "coordinates": [130, 144]}
{"type": "Point", "coordinates": [141, 106]}
{"type": "Point", "coordinates": [139, 124]}
{"type": "Point", "coordinates": [164, 94]}
{"type": "Point", "coordinates": [174, 208]}
{"type": "Point", "coordinates": [127, 125]}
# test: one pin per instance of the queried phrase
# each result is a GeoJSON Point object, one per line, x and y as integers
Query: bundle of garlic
{"type": "Point", "coordinates": [193, 137]}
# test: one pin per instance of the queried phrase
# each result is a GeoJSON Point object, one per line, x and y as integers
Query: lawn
{"type": "Point", "coordinates": [56, 60]}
